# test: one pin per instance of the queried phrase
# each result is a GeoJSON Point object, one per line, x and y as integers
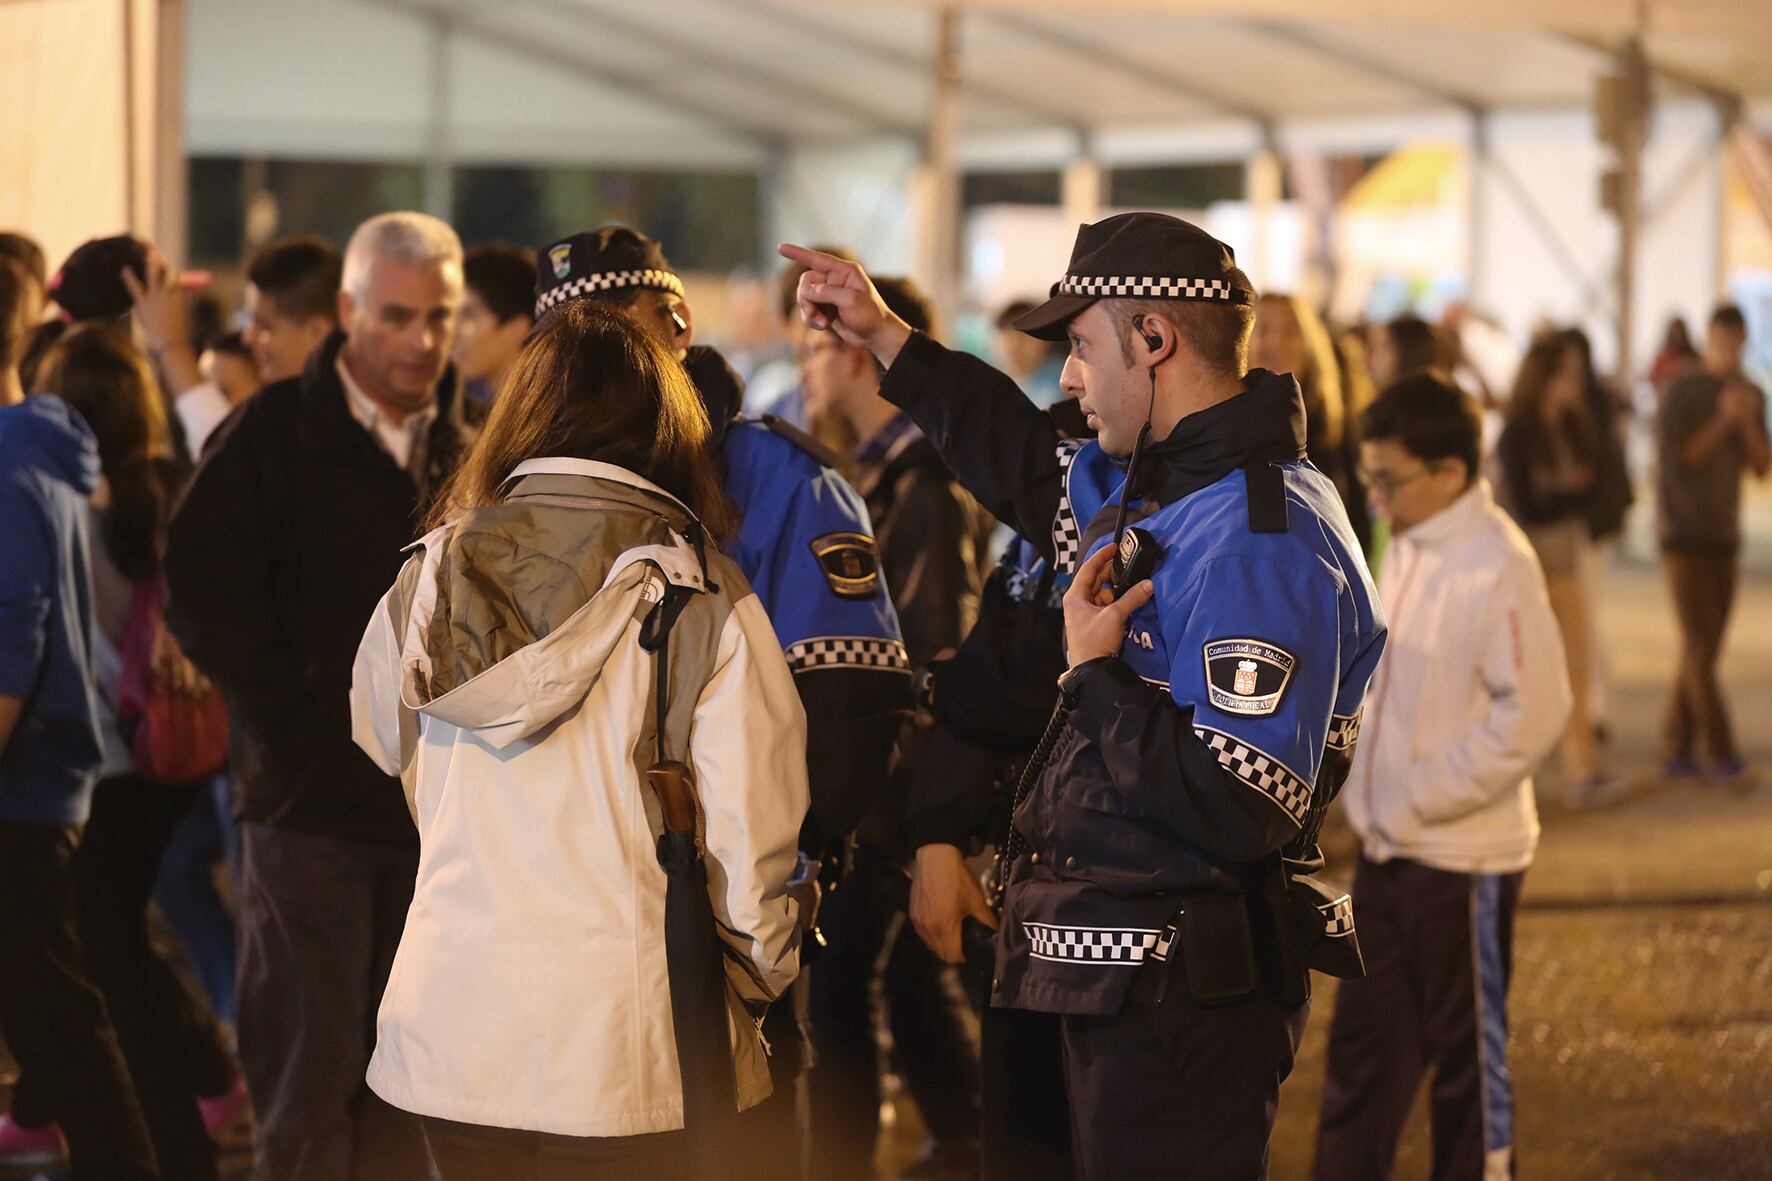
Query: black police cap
{"type": "Point", "coordinates": [609, 264]}
{"type": "Point", "coordinates": [89, 285]}
{"type": "Point", "coordinates": [1138, 256]}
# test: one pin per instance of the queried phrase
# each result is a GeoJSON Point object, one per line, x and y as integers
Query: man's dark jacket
{"type": "Point", "coordinates": [289, 535]}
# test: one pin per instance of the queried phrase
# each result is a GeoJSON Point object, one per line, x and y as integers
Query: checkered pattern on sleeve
{"type": "Point", "coordinates": [1147, 287]}
{"type": "Point", "coordinates": [586, 285]}
{"type": "Point", "coordinates": [1261, 771]}
{"type": "Point", "coordinates": [1344, 731]}
{"type": "Point", "coordinates": [847, 652]}
{"type": "Point", "coordinates": [1067, 532]}
{"type": "Point", "coordinates": [1340, 916]}
{"type": "Point", "coordinates": [1092, 945]}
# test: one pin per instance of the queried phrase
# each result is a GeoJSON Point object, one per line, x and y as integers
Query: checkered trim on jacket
{"type": "Point", "coordinates": [1094, 945]}
{"type": "Point", "coordinates": [1340, 917]}
{"type": "Point", "coordinates": [1261, 771]}
{"type": "Point", "coordinates": [1344, 731]}
{"type": "Point", "coordinates": [1148, 287]}
{"type": "Point", "coordinates": [585, 285]}
{"type": "Point", "coordinates": [1067, 532]}
{"type": "Point", "coordinates": [847, 652]}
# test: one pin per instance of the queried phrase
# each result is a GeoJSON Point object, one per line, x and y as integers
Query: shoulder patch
{"type": "Point", "coordinates": [850, 562]}
{"type": "Point", "coordinates": [802, 440]}
{"type": "Point", "coordinates": [1247, 677]}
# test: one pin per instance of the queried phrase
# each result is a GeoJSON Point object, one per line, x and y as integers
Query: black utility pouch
{"type": "Point", "coordinates": [1217, 949]}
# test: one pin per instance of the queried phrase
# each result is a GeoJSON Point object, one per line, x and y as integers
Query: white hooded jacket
{"type": "Point", "coordinates": [1471, 695]}
{"type": "Point", "coordinates": [503, 680]}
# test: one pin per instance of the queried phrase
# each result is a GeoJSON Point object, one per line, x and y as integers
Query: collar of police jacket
{"type": "Point", "coordinates": [720, 387]}
{"type": "Point", "coordinates": [1264, 424]}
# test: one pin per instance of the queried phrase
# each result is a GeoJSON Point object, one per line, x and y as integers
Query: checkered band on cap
{"type": "Point", "coordinates": [847, 652]}
{"type": "Point", "coordinates": [585, 285]}
{"type": "Point", "coordinates": [1147, 287]}
{"type": "Point", "coordinates": [1261, 771]}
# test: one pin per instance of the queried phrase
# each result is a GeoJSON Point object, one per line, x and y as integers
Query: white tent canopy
{"type": "Point", "coordinates": [727, 82]}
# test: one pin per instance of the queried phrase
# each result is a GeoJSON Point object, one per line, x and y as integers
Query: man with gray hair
{"type": "Point", "coordinates": [290, 533]}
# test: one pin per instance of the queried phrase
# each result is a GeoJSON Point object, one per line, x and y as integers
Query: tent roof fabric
{"type": "Point", "coordinates": [729, 80]}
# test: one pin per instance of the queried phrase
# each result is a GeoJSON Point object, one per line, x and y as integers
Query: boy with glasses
{"type": "Point", "coordinates": [1470, 697]}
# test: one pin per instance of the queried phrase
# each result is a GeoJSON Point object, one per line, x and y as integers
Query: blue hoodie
{"type": "Point", "coordinates": [48, 469]}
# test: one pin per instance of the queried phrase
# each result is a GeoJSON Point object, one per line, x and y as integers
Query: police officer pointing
{"type": "Point", "coordinates": [1220, 630]}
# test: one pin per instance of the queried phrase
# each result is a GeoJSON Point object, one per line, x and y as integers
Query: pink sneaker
{"type": "Point", "coordinates": [222, 1112]}
{"type": "Point", "coordinates": [22, 1147]}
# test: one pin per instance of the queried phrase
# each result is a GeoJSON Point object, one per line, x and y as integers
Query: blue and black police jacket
{"type": "Point", "coordinates": [1214, 741]}
{"type": "Point", "coordinates": [807, 547]}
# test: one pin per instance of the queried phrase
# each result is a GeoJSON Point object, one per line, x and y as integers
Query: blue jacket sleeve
{"type": "Point", "coordinates": [1227, 757]}
{"type": "Point", "coordinates": [26, 582]}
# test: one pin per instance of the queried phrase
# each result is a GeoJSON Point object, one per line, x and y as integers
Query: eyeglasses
{"type": "Point", "coordinates": [1388, 483]}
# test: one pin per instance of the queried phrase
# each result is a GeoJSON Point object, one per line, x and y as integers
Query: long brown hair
{"type": "Point", "coordinates": [1319, 380]}
{"type": "Point", "coordinates": [98, 371]}
{"type": "Point", "coordinates": [592, 383]}
{"type": "Point", "coordinates": [1532, 382]}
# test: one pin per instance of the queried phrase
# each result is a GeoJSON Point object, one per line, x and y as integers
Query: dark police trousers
{"type": "Point", "coordinates": [1178, 1092]}
{"type": "Point", "coordinates": [1439, 950]}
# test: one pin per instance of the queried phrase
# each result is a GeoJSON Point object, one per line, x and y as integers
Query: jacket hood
{"type": "Point", "coordinates": [53, 433]}
{"type": "Point", "coordinates": [720, 387]}
{"type": "Point", "coordinates": [506, 617]}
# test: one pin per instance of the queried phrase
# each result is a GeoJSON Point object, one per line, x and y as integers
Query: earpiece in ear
{"type": "Point", "coordinates": [678, 320]}
{"type": "Point", "coordinates": [1153, 339]}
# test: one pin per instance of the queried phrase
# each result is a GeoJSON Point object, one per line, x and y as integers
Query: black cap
{"type": "Point", "coordinates": [605, 263]}
{"type": "Point", "coordinates": [89, 285]}
{"type": "Point", "coordinates": [1137, 256]}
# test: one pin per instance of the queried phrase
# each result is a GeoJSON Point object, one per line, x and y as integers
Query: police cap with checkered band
{"type": "Point", "coordinates": [611, 263]}
{"type": "Point", "coordinates": [1138, 256]}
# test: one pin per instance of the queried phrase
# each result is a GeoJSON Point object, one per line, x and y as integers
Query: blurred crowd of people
{"type": "Point", "coordinates": [207, 884]}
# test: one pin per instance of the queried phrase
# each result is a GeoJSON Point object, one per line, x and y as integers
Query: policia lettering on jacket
{"type": "Point", "coordinates": [1161, 900]}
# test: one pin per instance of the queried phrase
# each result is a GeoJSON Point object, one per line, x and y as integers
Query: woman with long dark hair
{"type": "Point", "coordinates": [177, 1053]}
{"type": "Point", "coordinates": [1550, 453]}
{"type": "Point", "coordinates": [565, 654]}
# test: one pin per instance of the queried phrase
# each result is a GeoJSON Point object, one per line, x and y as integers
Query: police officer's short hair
{"type": "Point", "coordinates": [1431, 418]}
{"type": "Point", "coordinates": [300, 276]}
{"type": "Point", "coordinates": [502, 274]}
{"type": "Point", "coordinates": [1217, 333]}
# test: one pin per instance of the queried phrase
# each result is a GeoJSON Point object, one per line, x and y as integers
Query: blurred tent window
{"type": "Point", "coordinates": [1181, 186]}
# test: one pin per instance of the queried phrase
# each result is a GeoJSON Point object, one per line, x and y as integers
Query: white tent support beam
{"type": "Point", "coordinates": [1656, 207]}
{"type": "Point", "coordinates": [1719, 94]}
{"type": "Point", "coordinates": [1124, 64]}
{"type": "Point", "coordinates": [539, 52]}
{"type": "Point", "coordinates": [801, 21]}
{"type": "Point", "coordinates": [1361, 62]}
{"type": "Point", "coordinates": [1535, 216]}
{"type": "Point", "coordinates": [938, 206]}
{"type": "Point", "coordinates": [1476, 229]}
{"type": "Point", "coordinates": [439, 174]}
{"type": "Point", "coordinates": [688, 54]}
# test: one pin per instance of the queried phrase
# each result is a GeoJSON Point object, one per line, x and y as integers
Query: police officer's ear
{"type": "Point", "coordinates": [682, 322]}
{"type": "Point", "coordinates": [1156, 334]}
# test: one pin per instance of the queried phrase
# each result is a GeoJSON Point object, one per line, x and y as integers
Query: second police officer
{"type": "Point", "coordinates": [807, 548]}
{"type": "Point", "coordinates": [1221, 629]}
